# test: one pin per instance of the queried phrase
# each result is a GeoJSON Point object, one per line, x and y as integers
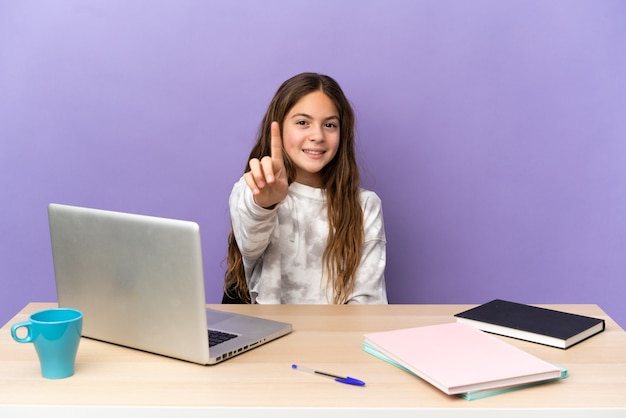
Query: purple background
{"type": "Point", "coordinates": [494, 131]}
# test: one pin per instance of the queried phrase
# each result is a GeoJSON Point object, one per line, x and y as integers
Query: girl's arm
{"type": "Point", "coordinates": [252, 224]}
{"type": "Point", "coordinates": [369, 284]}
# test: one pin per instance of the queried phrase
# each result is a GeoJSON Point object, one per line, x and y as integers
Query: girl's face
{"type": "Point", "coordinates": [311, 136]}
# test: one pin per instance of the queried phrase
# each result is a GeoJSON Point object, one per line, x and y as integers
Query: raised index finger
{"type": "Point", "coordinates": [276, 143]}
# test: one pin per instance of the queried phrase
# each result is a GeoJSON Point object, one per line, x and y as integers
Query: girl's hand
{"type": "Point", "coordinates": [267, 178]}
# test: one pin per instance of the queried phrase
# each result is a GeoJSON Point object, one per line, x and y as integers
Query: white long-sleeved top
{"type": "Point", "coordinates": [282, 247]}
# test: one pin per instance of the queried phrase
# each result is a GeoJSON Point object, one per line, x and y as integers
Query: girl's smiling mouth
{"type": "Point", "coordinates": [313, 152]}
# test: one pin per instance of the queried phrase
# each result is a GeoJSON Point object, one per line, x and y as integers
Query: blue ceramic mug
{"type": "Point", "coordinates": [56, 334]}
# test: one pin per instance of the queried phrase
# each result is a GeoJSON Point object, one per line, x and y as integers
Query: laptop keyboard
{"type": "Point", "coordinates": [218, 337]}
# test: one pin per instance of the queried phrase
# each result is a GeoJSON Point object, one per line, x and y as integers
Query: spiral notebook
{"type": "Point", "coordinates": [459, 359]}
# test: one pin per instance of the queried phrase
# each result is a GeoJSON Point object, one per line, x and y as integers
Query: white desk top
{"type": "Point", "coordinates": [112, 379]}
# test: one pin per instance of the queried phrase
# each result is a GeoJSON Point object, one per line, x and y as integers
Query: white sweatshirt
{"type": "Point", "coordinates": [282, 247]}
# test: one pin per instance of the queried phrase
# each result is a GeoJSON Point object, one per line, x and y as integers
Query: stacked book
{"type": "Point", "coordinates": [460, 359]}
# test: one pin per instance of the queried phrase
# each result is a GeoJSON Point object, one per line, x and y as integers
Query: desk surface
{"type": "Point", "coordinates": [324, 337]}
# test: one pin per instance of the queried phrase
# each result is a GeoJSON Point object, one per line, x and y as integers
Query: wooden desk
{"type": "Point", "coordinates": [116, 380]}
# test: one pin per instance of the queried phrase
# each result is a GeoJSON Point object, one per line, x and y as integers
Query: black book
{"type": "Point", "coordinates": [531, 323]}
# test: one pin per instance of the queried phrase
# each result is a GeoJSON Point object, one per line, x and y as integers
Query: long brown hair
{"type": "Point", "coordinates": [341, 181]}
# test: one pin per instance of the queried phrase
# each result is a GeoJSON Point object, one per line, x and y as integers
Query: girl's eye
{"type": "Point", "coordinates": [331, 125]}
{"type": "Point", "coordinates": [301, 123]}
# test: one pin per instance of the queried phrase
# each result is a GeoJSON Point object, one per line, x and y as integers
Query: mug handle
{"type": "Point", "coordinates": [29, 336]}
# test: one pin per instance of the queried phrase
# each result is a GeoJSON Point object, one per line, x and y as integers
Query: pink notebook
{"type": "Point", "coordinates": [458, 358]}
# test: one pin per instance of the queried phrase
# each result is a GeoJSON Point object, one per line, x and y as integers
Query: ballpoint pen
{"type": "Point", "coordinates": [341, 379]}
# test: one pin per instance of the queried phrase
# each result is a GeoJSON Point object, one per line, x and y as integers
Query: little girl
{"type": "Point", "coordinates": [302, 229]}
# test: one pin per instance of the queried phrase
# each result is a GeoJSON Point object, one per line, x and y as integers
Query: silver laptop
{"type": "Point", "coordinates": [139, 282]}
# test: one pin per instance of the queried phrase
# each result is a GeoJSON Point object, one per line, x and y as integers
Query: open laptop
{"type": "Point", "coordinates": [139, 282]}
